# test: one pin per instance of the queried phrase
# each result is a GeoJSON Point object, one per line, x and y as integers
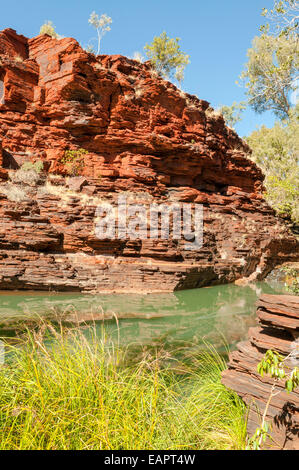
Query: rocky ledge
{"type": "Point", "coordinates": [142, 137]}
{"type": "Point", "coordinates": [278, 317]}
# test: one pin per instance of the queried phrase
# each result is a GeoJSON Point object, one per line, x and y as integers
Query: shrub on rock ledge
{"type": "Point", "coordinates": [29, 174]}
{"type": "Point", "coordinates": [73, 161]}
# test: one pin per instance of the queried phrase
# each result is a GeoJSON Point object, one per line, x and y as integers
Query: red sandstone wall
{"type": "Point", "coordinates": [142, 134]}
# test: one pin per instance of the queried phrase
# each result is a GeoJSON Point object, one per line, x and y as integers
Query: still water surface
{"type": "Point", "coordinates": [215, 314]}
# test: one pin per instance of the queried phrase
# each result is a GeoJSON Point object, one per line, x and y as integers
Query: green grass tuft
{"type": "Point", "coordinates": [79, 393]}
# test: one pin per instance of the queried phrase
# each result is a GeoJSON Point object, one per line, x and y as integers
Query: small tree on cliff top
{"type": "Point", "coordinates": [166, 56]}
{"type": "Point", "coordinates": [49, 28]}
{"type": "Point", "coordinates": [101, 24]}
{"type": "Point", "coordinates": [232, 114]}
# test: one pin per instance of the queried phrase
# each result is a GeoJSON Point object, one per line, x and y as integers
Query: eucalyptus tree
{"type": "Point", "coordinates": [101, 24]}
{"type": "Point", "coordinates": [166, 56]}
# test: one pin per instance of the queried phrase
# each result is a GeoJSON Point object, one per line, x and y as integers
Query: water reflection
{"type": "Point", "coordinates": [215, 313]}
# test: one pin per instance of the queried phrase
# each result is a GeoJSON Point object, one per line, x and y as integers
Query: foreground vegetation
{"type": "Point", "coordinates": [79, 392]}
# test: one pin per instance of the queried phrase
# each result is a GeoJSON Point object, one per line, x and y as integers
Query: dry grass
{"type": "Point", "coordinates": [18, 59]}
{"type": "Point", "coordinates": [153, 73]}
{"type": "Point", "coordinates": [191, 105]}
{"type": "Point", "coordinates": [139, 91]}
{"type": "Point", "coordinates": [66, 195]}
{"type": "Point", "coordinates": [99, 67]}
{"type": "Point", "coordinates": [128, 97]}
{"type": "Point", "coordinates": [212, 113]}
{"type": "Point", "coordinates": [138, 57]}
{"type": "Point", "coordinates": [14, 192]}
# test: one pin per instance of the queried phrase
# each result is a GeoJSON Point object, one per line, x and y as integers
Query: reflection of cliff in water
{"type": "Point", "coordinates": [214, 313]}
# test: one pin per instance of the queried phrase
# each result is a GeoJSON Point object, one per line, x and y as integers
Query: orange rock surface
{"type": "Point", "coordinates": [142, 135]}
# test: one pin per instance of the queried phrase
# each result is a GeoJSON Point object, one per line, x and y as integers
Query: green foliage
{"type": "Point", "coordinates": [37, 166]}
{"type": "Point", "coordinates": [283, 195]}
{"type": "Point", "coordinates": [283, 18]}
{"type": "Point", "coordinates": [232, 114]}
{"type": "Point", "coordinates": [270, 73]}
{"type": "Point", "coordinates": [260, 436]}
{"type": "Point", "coordinates": [73, 161]}
{"type": "Point", "coordinates": [81, 392]}
{"type": "Point", "coordinates": [273, 364]}
{"type": "Point", "coordinates": [166, 56]}
{"type": "Point", "coordinates": [276, 151]}
{"type": "Point", "coordinates": [49, 28]}
{"type": "Point", "coordinates": [292, 279]}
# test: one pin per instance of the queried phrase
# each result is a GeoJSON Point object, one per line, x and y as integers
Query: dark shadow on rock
{"type": "Point", "coordinates": [9, 162]}
{"type": "Point", "coordinates": [286, 420]}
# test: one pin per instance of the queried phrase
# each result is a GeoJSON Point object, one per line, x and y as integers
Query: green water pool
{"type": "Point", "coordinates": [215, 314]}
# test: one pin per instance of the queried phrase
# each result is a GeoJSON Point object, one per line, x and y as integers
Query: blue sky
{"type": "Point", "coordinates": [215, 33]}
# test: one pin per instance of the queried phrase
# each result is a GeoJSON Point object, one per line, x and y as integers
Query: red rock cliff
{"type": "Point", "coordinates": [142, 135]}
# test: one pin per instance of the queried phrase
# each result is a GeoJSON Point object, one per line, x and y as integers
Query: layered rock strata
{"type": "Point", "coordinates": [143, 138]}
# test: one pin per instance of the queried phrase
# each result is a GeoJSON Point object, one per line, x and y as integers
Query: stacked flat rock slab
{"type": "Point", "coordinates": [142, 136]}
{"type": "Point", "coordinates": [278, 317]}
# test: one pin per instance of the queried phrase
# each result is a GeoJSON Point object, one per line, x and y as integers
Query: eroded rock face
{"type": "Point", "coordinates": [142, 136]}
{"type": "Point", "coordinates": [278, 317]}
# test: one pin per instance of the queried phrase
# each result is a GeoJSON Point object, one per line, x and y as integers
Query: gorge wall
{"type": "Point", "coordinates": [143, 138]}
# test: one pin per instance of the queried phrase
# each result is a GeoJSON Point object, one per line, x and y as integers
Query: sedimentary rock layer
{"type": "Point", "coordinates": [278, 317]}
{"type": "Point", "coordinates": [143, 137]}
